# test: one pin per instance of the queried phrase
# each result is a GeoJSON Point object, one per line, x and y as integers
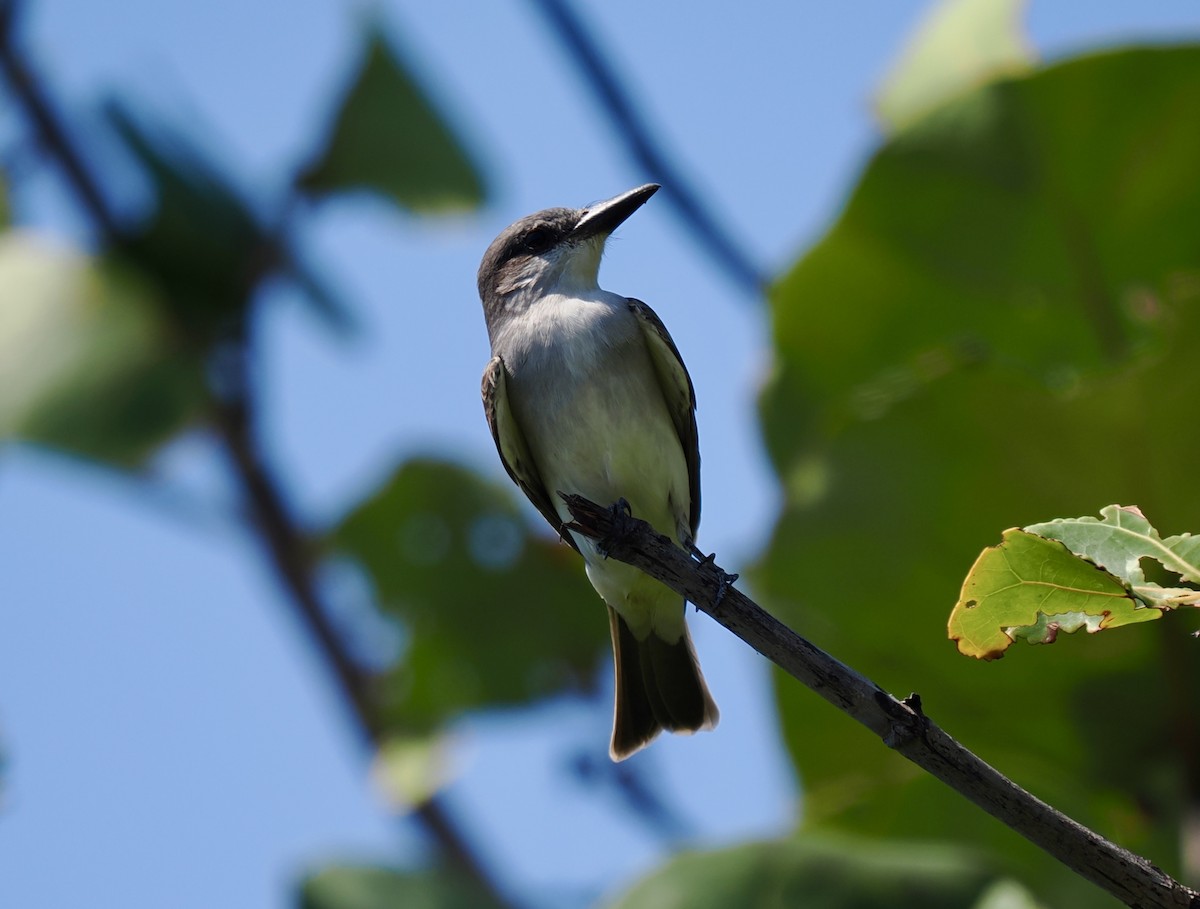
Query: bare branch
{"type": "Point", "coordinates": [584, 52]}
{"type": "Point", "coordinates": [901, 724]}
{"type": "Point", "coordinates": [48, 126]}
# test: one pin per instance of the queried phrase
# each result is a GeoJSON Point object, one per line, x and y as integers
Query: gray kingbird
{"type": "Point", "coordinates": [586, 393]}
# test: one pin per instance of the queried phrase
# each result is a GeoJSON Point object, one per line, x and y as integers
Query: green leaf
{"type": "Point", "coordinates": [1007, 894]}
{"type": "Point", "coordinates": [1036, 224]}
{"type": "Point", "coordinates": [961, 45]}
{"type": "Point", "coordinates": [370, 887]}
{"type": "Point", "coordinates": [202, 244]}
{"type": "Point", "coordinates": [1032, 588]}
{"type": "Point", "coordinates": [1001, 325]}
{"type": "Point", "coordinates": [815, 873]}
{"type": "Point", "coordinates": [411, 769]}
{"type": "Point", "coordinates": [388, 138]}
{"type": "Point", "coordinates": [4, 215]}
{"type": "Point", "coordinates": [495, 614]}
{"type": "Point", "coordinates": [1119, 539]}
{"type": "Point", "coordinates": [86, 363]}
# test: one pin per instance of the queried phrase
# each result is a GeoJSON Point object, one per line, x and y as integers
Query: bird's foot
{"type": "Point", "coordinates": [622, 519]}
{"type": "Point", "coordinates": [726, 580]}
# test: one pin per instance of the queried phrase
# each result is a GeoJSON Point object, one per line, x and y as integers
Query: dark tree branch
{"type": "Point", "coordinates": [584, 52]}
{"type": "Point", "coordinates": [288, 552]}
{"type": "Point", "coordinates": [901, 724]}
{"type": "Point", "coordinates": [283, 542]}
{"type": "Point", "coordinates": [48, 128]}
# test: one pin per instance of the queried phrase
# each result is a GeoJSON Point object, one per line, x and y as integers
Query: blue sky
{"type": "Point", "coordinates": [171, 739]}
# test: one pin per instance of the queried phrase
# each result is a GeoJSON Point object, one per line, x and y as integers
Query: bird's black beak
{"type": "Point", "coordinates": [603, 218]}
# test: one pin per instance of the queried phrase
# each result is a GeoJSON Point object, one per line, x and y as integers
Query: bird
{"type": "Point", "coordinates": [586, 393]}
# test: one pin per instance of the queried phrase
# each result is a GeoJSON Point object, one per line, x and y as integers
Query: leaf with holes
{"type": "Point", "coordinates": [1032, 588]}
{"type": "Point", "coordinates": [1119, 539]}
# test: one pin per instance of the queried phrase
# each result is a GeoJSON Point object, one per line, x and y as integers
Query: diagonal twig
{"type": "Point", "coordinates": [901, 724]}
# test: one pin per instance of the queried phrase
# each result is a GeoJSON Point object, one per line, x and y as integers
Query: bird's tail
{"type": "Point", "coordinates": [659, 686]}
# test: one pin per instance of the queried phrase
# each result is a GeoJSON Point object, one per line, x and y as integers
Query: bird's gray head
{"type": "Point", "coordinates": [557, 249]}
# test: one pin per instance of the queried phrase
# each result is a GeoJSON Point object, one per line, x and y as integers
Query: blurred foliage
{"type": "Point", "coordinates": [1000, 327]}
{"type": "Point", "coordinates": [960, 45]}
{"type": "Point", "coordinates": [388, 138]}
{"type": "Point", "coordinates": [201, 244]}
{"type": "Point", "coordinates": [365, 887]}
{"type": "Point", "coordinates": [410, 769]}
{"type": "Point", "coordinates": [818, 873]}
{"type": "Point", "coordinates": [495, 614]}
{"type": "Point", "coordinates": [111, 359]}
{"type": "Point", "coordinates": [87, 363]}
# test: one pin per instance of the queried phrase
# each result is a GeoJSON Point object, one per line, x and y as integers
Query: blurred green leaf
{"type": "Point", "coordinates": [4, 216]}
{"type": "Point", "coordinates": [86, 363]}
{"type": "Point", "coordinates": [495, 615]}
{"type": "Point", "coordinates": [411, 769]}
{"type": "Point", "coordinates": [960, 45]}
{"type": "Point", "coordinates": [1000, 326]}
{"type": "Point", "coordinates": [1007, 894]}
{"type": "Point", "coordinates": [367, 887]}
{"type": "Point", "coordinates": [387, 137]}
{"type": "Point", "coordinates": [202, 244]}
{"type": "Point", "coordinates": [816, 873]}
{"type": "Point", "coordinates": [1032, 588]}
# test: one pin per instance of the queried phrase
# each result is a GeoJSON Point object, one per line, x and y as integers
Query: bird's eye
{"type": "Point", "coordinates": [539, 239]}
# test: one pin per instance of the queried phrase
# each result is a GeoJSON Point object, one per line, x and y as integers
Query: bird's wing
{"type": "Point", "coordinates": [513, 449]}
{"type": "Point", "coordinates": [677, 389]}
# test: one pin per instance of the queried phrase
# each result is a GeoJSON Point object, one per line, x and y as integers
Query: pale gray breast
{"type": "Point", "coordinates": [587, 397]}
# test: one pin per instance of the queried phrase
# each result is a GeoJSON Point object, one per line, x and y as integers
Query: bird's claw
{"type": "Point", "coordinates": [622, 517]}
{"type": "Point", "coordinates": [726, 580]}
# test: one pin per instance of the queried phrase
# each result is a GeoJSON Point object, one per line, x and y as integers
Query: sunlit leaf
{"type": "Point", "coordinates": [387, 137]}
{"type": "Point", "coordinates": [494, 614]}
{"type": "Point", "coordinates": [1032, 588]}
{"type": "Point", "coordinates": [372, 887]}
{"type": "Point", "coordinates": [815, 873]}
{"type": "Point", "coordinates": [1120, 538]}
{"type": "Point", "coordinates": [86, 363]}
{"type": "Point", "coordinates": [961, 45]}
